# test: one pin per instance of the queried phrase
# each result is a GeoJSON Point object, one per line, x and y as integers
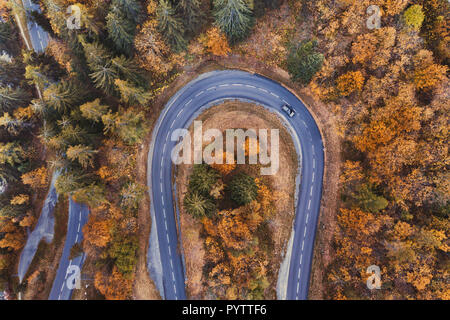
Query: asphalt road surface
{"type": "Point", "coordinates": [39, 38]}
{"type": "Point", "coordinates": [208, 90]}
{"type": "Point", "coordinates": [65, 278]}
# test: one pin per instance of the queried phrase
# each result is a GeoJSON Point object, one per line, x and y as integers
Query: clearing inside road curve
{"type": "Point", "coordinates": [235, 250]}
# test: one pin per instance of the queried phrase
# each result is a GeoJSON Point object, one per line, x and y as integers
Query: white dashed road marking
{"type": "Point", "coordinates": [275, 95]}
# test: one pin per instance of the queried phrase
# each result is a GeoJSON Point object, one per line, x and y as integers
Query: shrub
{"type": "Point", "coordinates": [243, 189]}
{"type": "Point", "coordinates": [414, 17]}
{"type": "Point", "coordinates": [202, 179]}
{"type": "Point", "coordinates": [350, 82]}
{"type": "Point", "coordinates": [304, 61]}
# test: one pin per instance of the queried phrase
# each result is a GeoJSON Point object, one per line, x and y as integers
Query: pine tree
{"type": "Point", "coordinates": [304, 61]}
{"type": "Point", "coordinates": [72, 134]}
{"type": "Point", "coordinates": [6, 34]}
{"type": "Point", "coordinates": [104, 77]}
{"type": "Point", "coordinates": [369, 201]}
{"type": "Point", "coordinates": [130, 126]}
{"type": "Point", "coordinates": [131, 195]}
{"type": "Point", "coordinates": [93, 195]}
{"type": "Point", "coordinates": [121, 23]}
{"type": "Point", "coordinates": [170, 25]}
{"type": "Point", "coordinates": [7, 38]}
{"type": "Point", "coordinates": [63, 95]}
{"type": "Point", "coordinates": [131, 94]}
{"type": "Point", "coordinates": [94, 110]}
{"type": "Point", "coordinates": [120, 29]}
{"type": "Point", "coordinates": [98, 59]}
{"type": "Point", "coordinates": [67, 183]}
{"type": "Point", "coordinates": [11, 72]}
{"type": "Point", "coordinates": [192, 15]}
{"type": "Point", "coordinates": [83, 154]}
{"type": "Point", "coordinates": [12, 98]}
{"type": "Point", "coordinates": [36, 76]}
{"type": "Point", "coordinates": [7, 174]}
{"type": "Point", "coordinates": [128, 69]}
{"type": "Point", "coordinates": [131, 9]}
{"type": "Point", "coordinates": [96, 54]}
{"type": "Point", "coordinates": [199, 206]}
{"type": "Point", "coordinates": [243, 189]}
{"type": "Point", "coordinates": [13, 125]}
{"type": "Point", "coordinates": [234, 18]}
{"type": "Point", "coordinates": [203, 179]}
{"type": "Point", "coordinates": [109, 122]}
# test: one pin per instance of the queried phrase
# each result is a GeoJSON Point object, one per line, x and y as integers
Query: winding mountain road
{"type": "Point", "coordinates": [207, 90]}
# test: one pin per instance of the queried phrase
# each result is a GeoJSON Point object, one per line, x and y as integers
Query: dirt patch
{"type": "Point", "coordinates": [239, 115]}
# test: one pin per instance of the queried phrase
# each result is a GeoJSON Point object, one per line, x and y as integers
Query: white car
{"type": "Point", "coordinates": [289, 110]}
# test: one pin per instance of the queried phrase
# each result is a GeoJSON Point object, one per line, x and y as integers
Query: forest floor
{"type": "Point", "coordinates": [239, 115]}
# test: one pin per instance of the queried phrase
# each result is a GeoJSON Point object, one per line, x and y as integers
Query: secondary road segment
{"type": "Point", "coordinates": [39, 38]}
{"type": "Point", "coordinates": [69, 269]}
{"type": "Point", "coordinates": [63, 285]}
{"type": "Point", "coordinates": [208, 90]}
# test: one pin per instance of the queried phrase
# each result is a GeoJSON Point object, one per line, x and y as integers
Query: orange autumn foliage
{"type": "Point", "coordinates": [97, 231]}
{"type": "Point", "coordinates": [215, 42]}
{"type": "Point", "coordinates": [224, 168]}
{"type": "Point", "coordinates": [114, 287]}
{"type": "Point", "coordinates": [13, 241]}
{"type": "Point", "coordinates": [36, 179]}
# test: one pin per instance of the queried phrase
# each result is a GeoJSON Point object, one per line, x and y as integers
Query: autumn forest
{"type": "Point", "coordinates": [84, 108]}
